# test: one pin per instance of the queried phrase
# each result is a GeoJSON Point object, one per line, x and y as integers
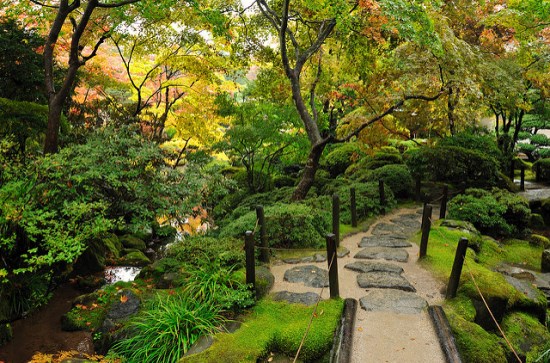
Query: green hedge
{"type": "Point", "coordinates": [288, 225]}
{"type": "Point", "coordinates": [341, 157]}
{"type": "Point", "coordinates": [454, 165]}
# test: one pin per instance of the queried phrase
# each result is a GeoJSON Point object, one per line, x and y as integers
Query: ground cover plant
{"type": "Point", "coordinates": [478, 343]}
{"type": "Point", "coordinates": [276, 327]}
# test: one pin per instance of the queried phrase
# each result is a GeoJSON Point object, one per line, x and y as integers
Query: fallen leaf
{"type": "Point", "coordinates": [123, 298]}
{"type": "Point", "coordinates": [359, 329]}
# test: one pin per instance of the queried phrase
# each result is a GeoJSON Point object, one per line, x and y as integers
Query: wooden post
{"type": "Point", "coordinates": [418, 188]}
{"type": "Point", "coordinates": [537, 172]}
{"type": "Point", "coordinates": [382, 196]}
{"type": "Point", "coordinates": [457, 268]}
{"type": "Point", "coordinates": [444, 198]}
{"type": "Point", "coordinates": [353, 207]}
{"type": "Point", "coordinates": [512, 169]}
{"type": "Point", "coordinates": [424, 205]}
{"type": "Point", "coordinates": [522, 178]}
{"type": "Point", "coordinates": [332, 260]}
{"type": "Point", "coordinates": [250, 263]}
{"type": "Point", "coordinates": [426, 225]}
{"type": "Point", "coordinates": [264, 252]}
{"type": "Point", "coordinates": [336, 217]}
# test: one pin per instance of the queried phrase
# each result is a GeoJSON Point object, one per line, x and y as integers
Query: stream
{"type": "Point", "coordinates": [41, 331]}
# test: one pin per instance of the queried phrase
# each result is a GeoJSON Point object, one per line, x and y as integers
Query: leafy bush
{"type": "Point", "coordinates": [397, 177]}
{"type": "Point", "coordinates": [382, 158]}
{"type": "Point", "coordinates": [453, 165]}
{"type": "Point", "coordinates": [288, 225]}
{"type": "Point", "coordinates": [543, 167]}
{"type": "Point", "coordinates": [540, 140]}
{"type": "Point", "coordinates": [341, 157]}
{"type": "Point", "coordinates": [192, 251]}
{"type": "Point", "coordinates": [494, 213]}
{"type": "Point", "coordinates": [483, 143]}
{"type": "Point", "coordinates": [542, 153]}
{"type": "Point", "coordinates": [166, 329]}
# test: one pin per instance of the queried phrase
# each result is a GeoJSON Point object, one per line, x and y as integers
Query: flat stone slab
{"type": "Point", "coordinates": [384, 241]}
{"type": "Point", "coordinates": [309, 275]}
{"type": "Point", "coordinates": [305, 298]}
{"type": "Point", "coordinates": [384, 280]}
{"type": "Point", "coordinates": [374, 266]}
{"type": "Point", "coordinates": [385, 228]}
{"type": "Point", "coordinates": [318, 257]}
{"type": "Point", "coordinates": [408, 222]}
{"type": "Point", "coordinates": [383, 253]}
{"type": "Point", "coordinates": [401, 302]}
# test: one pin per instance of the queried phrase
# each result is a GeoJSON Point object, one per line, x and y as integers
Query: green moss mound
{"type": "Point", "coordinates": [525, 333]}
{"type": "Point", "coordinates": [279, 327]}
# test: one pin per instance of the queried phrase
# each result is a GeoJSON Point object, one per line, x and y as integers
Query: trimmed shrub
{"type": "Point", "coordinates": [543, 167]}
{"type": "Point", "coordinates": [397, 177]}
{"type": "Point", "coordinates": [542, 153]}
{"type": "Point", "coordinates": [540, 139]}
{"type": "Point", "coordinates": [192, 250]}
{"type": "Point", "coordinates": [494, 213]}
{"type": "Point", "coordinates": [454, 165]}
{"type": "Point", "coordinates": [482, 143]}
{"type": "Point", "coordinates": [288, 225]}
{"type": "Point", "coordinates": [341, 157]}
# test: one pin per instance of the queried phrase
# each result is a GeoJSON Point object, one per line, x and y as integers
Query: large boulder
{"type": "Point", "coordinates": [136, 258]}
{"type": "Point", "coordinates": [133, 242]}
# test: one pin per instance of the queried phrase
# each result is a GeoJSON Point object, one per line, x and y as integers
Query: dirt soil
{"type": "Point", "coordinates": [383, 336]}
{"type": "Point", "coordinates": [41, 332]}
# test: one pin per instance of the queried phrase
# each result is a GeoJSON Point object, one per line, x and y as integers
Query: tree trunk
{"type": "Point", "coordinates": [52, 132]}
{"type": "Point", "coordinates": [308, 177]}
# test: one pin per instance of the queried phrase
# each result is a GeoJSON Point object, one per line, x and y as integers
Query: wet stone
{"type": "Point", "coordinates": [383, 253]}
{"type": "Point", "coordinates": [385, 228]}
{"type": "Point", "coordinates": [374, 266]}
{"type": "Point", "coordinates": [384, 241]}
{"type": "Point", "coordinates": [384, 280]}
{"type": "Point", "coordinates": [122, 308]}
{"type": "Point", "coordinates": [408, 222]}
{"type": "Point", "coordinates": [305, 298]}
{"type": "Point", "coordinates": [309, 275]}
{"type": "Point", "coordinates": [398, 301]}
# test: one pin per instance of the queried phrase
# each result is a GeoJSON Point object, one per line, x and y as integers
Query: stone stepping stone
{"type": "Point", "coordinates": [309, 275]}
{"type": "Point", "coordinates": [408, 222]}
{"type": "Point", "coordinates": [361, 266]}
{"type": "Point", "coordinates": [318, 257]}
{"type": "Point", "coordinates": [305, 298]}
{"type": "Point", "coordinates": [384, 280]}
{"type": "Point", "coordinates": [385, 228]}
{"type": "Point", "coordinates": [383, 253]}
{"type": "Point", "coordinates": [401, 302]}
{"type": "Point", "coordinates": [384, 241]}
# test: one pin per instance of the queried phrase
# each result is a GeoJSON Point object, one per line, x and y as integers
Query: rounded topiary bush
{"type": "Point", "coordinates": [542, 168]}
{"type": "Point", "coordinates": [454, 165]}
{"type": "Point", "coordinates": [397, 177]}
{"type": "Point", "coordinates": [341, 157]}
{"type": "Point", "coordinates": [288, 225]}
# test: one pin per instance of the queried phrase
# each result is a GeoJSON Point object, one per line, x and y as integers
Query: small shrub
{"type": "Point", "coordinates": [191, 251]}
{"type": "Point", "coordinates": [288, 225]}
{"type": "Point", "coordinates": [341, 157]}
{"type": "Point", "coordinates": [543, 167]}
{"type": "Point", "coordinates": [540, 140]}
{"type": "Point", "coordinates": [397, 177]}
{"type": "Point", "coordinates": [382, 158]}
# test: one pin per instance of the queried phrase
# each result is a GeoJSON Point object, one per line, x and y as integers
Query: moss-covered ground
{"type": "Point", "coordinates": [475, 343]}
{"type": "Point", "coordinates": [276, 327]}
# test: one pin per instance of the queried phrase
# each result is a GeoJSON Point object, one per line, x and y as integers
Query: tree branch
{"type": "Point", "coordinates": [116, 5]}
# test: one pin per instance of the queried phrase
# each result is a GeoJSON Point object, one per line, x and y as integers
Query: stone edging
{"type": "Point", "coordinates": [444, 333]}
{"type": "Point", "coordinates": [343, 337]}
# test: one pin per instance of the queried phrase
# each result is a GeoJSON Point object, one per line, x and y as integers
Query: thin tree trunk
{"type": "Point", "coordinates": [308, 177]}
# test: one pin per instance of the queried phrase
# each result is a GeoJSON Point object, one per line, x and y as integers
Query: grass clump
{"type": "Point", "coordinates": [167, 328]}
{"type": "Point", "coordinates": [278, 327]}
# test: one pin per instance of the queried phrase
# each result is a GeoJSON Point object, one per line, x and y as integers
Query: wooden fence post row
{"type": "Point", "coordinates": [444, 199]}
{"type": "Point", "coordinates": [426, 226]}
{"type": "Point", "coordinates": [454, 279]}
{"type": "Point", "coordinates": [382, 197]}
{"type": "Point", "coordinates": [264, 252]}
{"type": "Point", "coordinates": [332, 261]}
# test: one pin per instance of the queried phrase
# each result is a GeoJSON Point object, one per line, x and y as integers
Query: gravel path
{"type": "Point", "coordinates": [383, 336]}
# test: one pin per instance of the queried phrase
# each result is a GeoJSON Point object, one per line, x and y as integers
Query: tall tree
{"type": "Point", "coordinates": [302, 33]}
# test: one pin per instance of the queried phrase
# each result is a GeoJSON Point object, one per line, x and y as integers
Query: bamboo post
{"type": "Point", "coordinates": [332, 260]}
{"type": "Point", "coordinates": [264, 252]}
{"type": "Point", "coordinates": [454, 279]}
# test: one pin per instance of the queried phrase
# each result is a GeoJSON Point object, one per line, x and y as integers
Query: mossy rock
{"type": "Point", "coordinates": [136, 258]}
{"type": "Point", "coordinates": [474, 343]}
{"type": "Point", "coordinates": [536, 221]}
{"type": "Point", "coordinates": [525, 333]}
{"type": "Point", "coordinates": [538, 240]}
{"type": "Point", "coordinates": [112, 244]}
{"type": "Point", "coordinates": [264, 281]}
{"type": "Point", "coordinates": [462, 225]}
{"type": "Point", "coordinates": [164, 232]}
{"type": "Point", "coordinates": [131, 241]}
{"type": "Point", "coordinates": [6, 334]}
{"type": "Point", "coordinates": [165, 273]}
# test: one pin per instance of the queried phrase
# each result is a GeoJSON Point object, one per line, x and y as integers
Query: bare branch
{"type": "Point", "coordinates": [44, 4]}
{"type": "Point", "coordinates": [313, 88]}
{"type": "Point", "coordinates": [116, 5]}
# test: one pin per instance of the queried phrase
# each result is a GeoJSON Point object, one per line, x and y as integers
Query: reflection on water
{"type": "Point", "coordinates": [121, 273]}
